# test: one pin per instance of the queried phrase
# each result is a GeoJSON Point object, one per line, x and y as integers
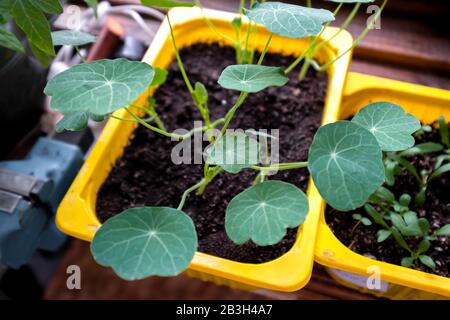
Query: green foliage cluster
{"type": "Point", "coordinates": [345, 158]}
{"type": "Point", "coordinates": [392, 216]}
{"type": "Point", "coordinates": [31, 17]}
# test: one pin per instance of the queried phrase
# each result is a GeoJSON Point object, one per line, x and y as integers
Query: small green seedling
{"type": "Point", "coordinates": [345, 159]}
{"type": "Point", "coordinates": [394, 217]}
{"type": "Point", "coordinates": [398, 161]}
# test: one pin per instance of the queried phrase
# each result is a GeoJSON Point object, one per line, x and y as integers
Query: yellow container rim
{"type": "Point", "coordinates": [427, 104]}
{"type": "Point", "coordinates": [76, 215]}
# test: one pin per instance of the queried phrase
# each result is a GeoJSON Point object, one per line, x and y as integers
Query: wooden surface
{"type": "Point", "coordinates": [101, 283]}
{"type": "Point", "coordinates": [412, 45]}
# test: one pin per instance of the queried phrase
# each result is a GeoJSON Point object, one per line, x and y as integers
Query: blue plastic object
{"type": "Point", "coordinates": [30, 192]}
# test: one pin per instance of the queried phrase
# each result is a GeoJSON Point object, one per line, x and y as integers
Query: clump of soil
{"type": "Point", "coordinates": [363, 240]}
{"type": "Point", "coordinates": [146, 176]}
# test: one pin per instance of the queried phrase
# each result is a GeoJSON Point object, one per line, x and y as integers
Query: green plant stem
{"type": "Point", "coordinates": [184, 74]}
{"type": "Point", "coordinates": [211, 174]}
{"type": "Point", "coordinates": [308, 3]}
{"type": "Point", "coordinates": [247, 37]}
{"type": "Point", "coordinates": [307, 63]}
{"type": "Point", "coordinates": [344, 26]}
{"type": "Point", "coordinates": [211, 25]}
{"type": "Point", "coordinates": [187, 192]}
{"type": "Point", "coordinates": [355, 43]}
{"type": "Point", "coordinates": [312, 44]}
{"type": "Point", "coordinates": [122, 119]}
{"type": "Point", "coordinates": [179, 61]}
{"type": "Point", "coordinates": [80, 54]}
{"type": "Point", "coordinates": [241, 6]}
{"type": "Point", "coordinates": [204, 128]}
{"type": "Point", "coordinates": [149, 126]}
{"type": "Point", "coordinates": [263, 53]}
{"type": "Point", "coordinates": [281, 166]}
{"type": "Point", "coordinates": [232, 111]}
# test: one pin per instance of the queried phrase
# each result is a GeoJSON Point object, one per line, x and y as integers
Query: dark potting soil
{"type": "Point", "coordinates": [146, 176]}
{"type": "Point", "coordinates": [363, 239]}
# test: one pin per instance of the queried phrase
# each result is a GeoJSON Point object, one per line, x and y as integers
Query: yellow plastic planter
{"type": "Point", "coordinates": [427, 104]}
{"type": "Point", "coordinates": [77, 217]}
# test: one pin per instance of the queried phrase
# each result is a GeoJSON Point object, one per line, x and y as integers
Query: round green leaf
{"type": "Point", "coordinates": [289, 20]}
{"type": "Point", "coordinates": [147, 241]}
{"type": "Point", "coordinates": [71, 38]}
{"type": "Point", "coordinates": [345, 161]}
{"type": "Point", "coordinates": [392, 127]}
{"type": "Point", "coordinates": [100, 87]}
{"type": "Point", "coordinates": [262, 213]}
{"type": "Point", "coordinates": [251, 77]}
{"type": "Point", "coordinates": [234, 152]}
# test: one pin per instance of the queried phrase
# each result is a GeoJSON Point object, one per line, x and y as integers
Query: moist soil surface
{"type": "Point", "coordinates": [363, 239]}
{"type": "Point", "coordinates": [146, 176]}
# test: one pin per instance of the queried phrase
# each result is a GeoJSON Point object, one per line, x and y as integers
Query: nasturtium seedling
{"type": "Point", "coordinates": [146, 241]}
{"type": "Point", "coordinates": [100, 87]}
{"type": "Point", "coordinates": [234, 152]}
{"type": "Point", "coordinates": [262, 213]}
{"type": "Point", "coordinates": [392, 127]}
{"type": "Point", "coordinates": [72, 38]}
{"type": "Point", "coordinates": [289, 20]}
{"type": "Point", "coordinates": [345, 161]}
{"type": "Point", "coordinates": [251, 77]}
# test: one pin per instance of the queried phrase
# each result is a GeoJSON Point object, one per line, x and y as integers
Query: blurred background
{"type": "Point", "coordinates": [412, 45]}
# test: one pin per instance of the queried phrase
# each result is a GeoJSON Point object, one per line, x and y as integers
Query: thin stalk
{"type": "Point", "coordinates": [311, 45]}
{"type": "Point", "coordinates": [149, 126]}
{"type": "Point", "coordinates": [241, 6]}
{"type": "Point", "coordinates": [212, 173]}
{"type": "Point", "coordinates": [187, 192]}
{"type": "Point", "coordinates": [212, 26]}
{"type": "Point", "coordinates": [355, 43]}
{"type": "Point", "coordinates": [80, 54]}
{"type": "Point", "coordinates": [157, 120]}
{"type": "Point", "coordinates": [183, 71]}
{"type": "Point", "coordinates": [179, 61]}
{"type": "Point", "coordinates": [304, 69]}
{"type": "Point", "coordinates": [232, 111]}
{"type": "Point", "coordinates": [281, 166]}
{"type": "Point", "coordinates": [204, 128]}
{"type": "Point", "coordinates": [247, 36]}
{"type": "Point", "coordinates": [307, 63]}
{"type": "Point", "coordinates": [122, 119]}
{"type": "Point", "coordinates": [344, 26]}
{"type": "Point", "coordinates": [308, 3]}
{"type": "Point", "coordinates": [263, 53]}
